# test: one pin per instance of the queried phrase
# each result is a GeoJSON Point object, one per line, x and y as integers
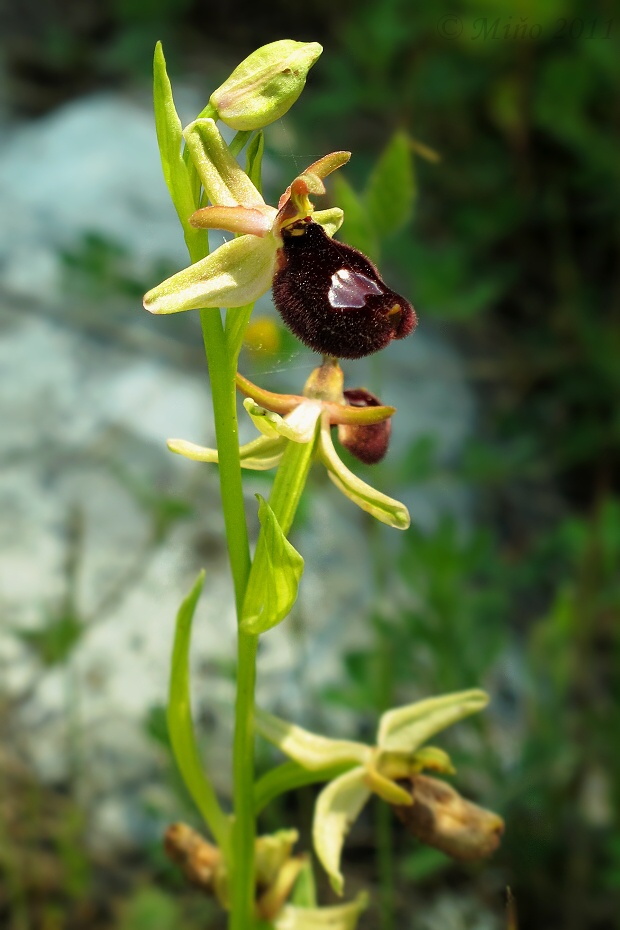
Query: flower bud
{"type": "Point", "coordinates": [440, 817]}
{"type": "Point", "coordinates": [266, 84]}
{"type": "Point", "coordinates": [368, 443]}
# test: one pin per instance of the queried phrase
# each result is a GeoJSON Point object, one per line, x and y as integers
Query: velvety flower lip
{"type": "Point", "coordinates": [333, 298]}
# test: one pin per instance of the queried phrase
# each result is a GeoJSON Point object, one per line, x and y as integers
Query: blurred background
{"type": "Point", "coordinates": [499, 126]}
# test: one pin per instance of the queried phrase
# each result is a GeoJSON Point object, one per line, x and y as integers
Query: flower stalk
{"type": "Point", "coordinates": [333, 298]}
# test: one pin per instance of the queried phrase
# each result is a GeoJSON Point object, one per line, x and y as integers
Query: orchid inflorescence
{"type": "Point", "coordinates": [334, 300]}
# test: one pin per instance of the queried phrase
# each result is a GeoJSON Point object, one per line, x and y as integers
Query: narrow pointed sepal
{"type": "Point", "coordinates": [337, 807]}
{"type": "Point", "coordinates": [222, 177]}
{"type": "Point", "coordinates": [378, 505]}
{"type": "Point", "coordinates": [335, 917]}
{"type": "Point", "coordinates": [311, 750]}
{"type": "Point", "coordinates": [405, 729]}
{"type": "Point", "coordinates": [259, 455]}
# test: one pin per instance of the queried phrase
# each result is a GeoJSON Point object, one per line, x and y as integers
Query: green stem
{"type": "Point", "coordinates": [222, 370]}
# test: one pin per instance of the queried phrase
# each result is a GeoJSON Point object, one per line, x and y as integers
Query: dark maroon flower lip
{"type": "Point", "coordinates": [333, 298]}
{"type": "Point", "coordinates": [368, 443]}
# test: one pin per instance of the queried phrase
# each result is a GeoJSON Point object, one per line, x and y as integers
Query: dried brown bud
{"type": "Point", "coordinates": [199, 860]}
{"type": "Point", "coordinates": [440, 817]}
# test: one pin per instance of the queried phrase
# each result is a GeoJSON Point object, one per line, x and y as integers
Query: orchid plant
{"type": "Point", "coordinates": [334, 299]}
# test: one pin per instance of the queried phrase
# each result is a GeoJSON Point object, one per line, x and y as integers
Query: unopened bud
{"type": "Point", "coordinates": [440, 817]}
{"type": "Point", "coordinates": [266, 84]}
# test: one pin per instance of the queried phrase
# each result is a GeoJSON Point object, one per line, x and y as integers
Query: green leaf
{"type": "Point", "coordinates": [170, 140]}
{"type": "Point", "coordinates": [358, 228]}
{"type": "Point", "coordinates": [311, 750]}
{"type": "Point", "coordinates": [275, 576]}
{"type": "Point", "coordinates": [337, 807]}
{"type": "Point", "coordinates": [180, 726]}
{"type": "Point", "coordinates": [391, 187]}
{"type": "Point", "coordinates": [405, 729]}
{"type": "Point", "coordinates": [254, 160]}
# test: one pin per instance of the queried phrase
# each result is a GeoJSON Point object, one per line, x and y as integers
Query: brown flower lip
{"type": "Point", "coordinates": [441, 817]}
{"type": "Point", "coordinates": [367, 442]}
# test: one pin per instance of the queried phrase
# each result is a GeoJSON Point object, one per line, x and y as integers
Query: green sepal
{"type": "Point", "coordinates": [405, 729]}
{"type": "Point", "coordinates": [274, 578]}
{"type": "Point", "coordinates": [222, 177]}
{"type": "Point", "coordinates": [310, 750]}
{"type": "Point", "coordinates": [337, 807]}
{"type": "Point", "coordinates": [181, 728]}
{"type": "Point", "coordinates": [236, 274]}
{"type": "Point", "coordinates": [336, 917]}
{"type": "Point", "coordinates": [259, 455]}
{"type": "Point", "coordinates": [378, 505]}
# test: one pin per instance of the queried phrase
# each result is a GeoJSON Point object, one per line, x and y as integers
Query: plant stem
{"type": "Point", "coordinates": [222, 370]}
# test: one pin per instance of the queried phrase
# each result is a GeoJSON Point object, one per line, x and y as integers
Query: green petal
{"type": "Point", "coordinates": [237, 273]}
{"type": "Point", "coordinates": [384, 508]}
{"type": "Point", "coordinates": [386, 789]}
{"type": "Point", "coordinates": [222, 177]}
{"type": "Point", "coordinates": [337, 917]}
{"type": "Point", "coordinates": [239, 220]}
{"type": "Point", "coordinates": [259, 455]}
{"type": "Point", "coordinates": [274, 579]}
{"type": "Point", "coordinates": [337, 807]}
{"type": "Point", "coordinates": [298, 426]}
{"type": "Point", "coordinates": [406, 728]}
{"type": "Point", "coordinates": [331, 220]}
{"type": "Point", "coordinates": [310, 750]}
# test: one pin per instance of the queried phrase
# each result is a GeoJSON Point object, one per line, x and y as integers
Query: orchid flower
{"type": "Point", "coordinates": [363, 428]}
{"type": "Point", "coordinates": [399, 755]}
{"type": "Point", "coordinates": [328, 293]}
{"type": "Point", "coordinates": [241, 270]}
